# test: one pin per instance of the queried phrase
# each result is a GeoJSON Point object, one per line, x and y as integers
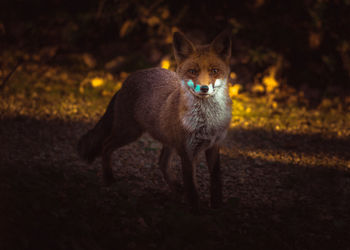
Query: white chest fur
{"type": "Point", "coordinates": [206, 121]}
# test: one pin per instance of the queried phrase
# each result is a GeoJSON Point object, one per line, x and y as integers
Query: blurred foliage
{"type": "Point", "coordinates": [40, 91]}
{"type": "Point", "coordinates": [276, 44]}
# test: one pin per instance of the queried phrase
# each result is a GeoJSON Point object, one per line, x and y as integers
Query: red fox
{"type": "Point", "coordinates": [188, 111]}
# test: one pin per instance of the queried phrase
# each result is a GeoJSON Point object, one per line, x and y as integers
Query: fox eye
{"type": "Point", "coordinates": [192, 71]}
{"type": "Point", "coordinates": [214, 71]}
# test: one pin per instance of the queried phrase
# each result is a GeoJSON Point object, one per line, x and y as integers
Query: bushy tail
{"type": "Point", "coordinates": [90, 145]}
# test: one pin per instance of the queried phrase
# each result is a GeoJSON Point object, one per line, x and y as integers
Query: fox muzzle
{"type": "Point", "coordinates": [203, 89]}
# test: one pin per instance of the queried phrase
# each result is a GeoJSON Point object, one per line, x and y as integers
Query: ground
{"type": "Point", "coordinates": [285, 170]}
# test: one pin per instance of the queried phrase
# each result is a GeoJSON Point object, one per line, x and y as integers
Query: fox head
{"type": "Point", "coordinates": [203, 69]}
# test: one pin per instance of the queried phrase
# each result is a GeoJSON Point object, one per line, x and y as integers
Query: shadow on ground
{"type": "Point", "coordinates": [52, 200]}
{"type": "Point", "coordinates": [306, 143]}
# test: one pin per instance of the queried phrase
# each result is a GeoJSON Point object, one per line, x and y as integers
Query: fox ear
{"type": "Point", "coordinates": [182, 47]}
{"type": "Point", "coordinates": [222, 45]}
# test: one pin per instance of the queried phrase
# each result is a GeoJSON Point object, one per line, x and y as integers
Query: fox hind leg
{"type": "Point", "coordinates": [112, 143]}
{"type": "Point", "coordinates": [164, 163]}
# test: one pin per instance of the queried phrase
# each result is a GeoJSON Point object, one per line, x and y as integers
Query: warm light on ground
{"type": "Point", "coordinates": [234, 90]}
{"type": "Point", "coordinates": [165, 64]}
{"type": "Point", "coordinates": [118, 86]}
{"type": "Point", "coordinates": [287, 157]}
{"type": "Point", "coordinates": [270, 81]}
{"type": "Point", "coordinates": [97, 82]}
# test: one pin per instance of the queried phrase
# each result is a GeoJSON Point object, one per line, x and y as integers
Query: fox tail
{"type": "Point", "coordinates": [90, 145]}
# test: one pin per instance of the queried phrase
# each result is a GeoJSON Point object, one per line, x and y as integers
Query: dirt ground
{"type": "Point", "coordinates": [283, 190]}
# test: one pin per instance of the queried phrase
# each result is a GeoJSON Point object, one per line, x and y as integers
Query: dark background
{"type": "Point", "coordinates": [311, 38]}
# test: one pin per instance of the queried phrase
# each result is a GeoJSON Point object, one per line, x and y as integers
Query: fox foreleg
{"type": "Point", "coordinates": [189, 180]}
{"type": "Point", "coordinates": [213, 160]}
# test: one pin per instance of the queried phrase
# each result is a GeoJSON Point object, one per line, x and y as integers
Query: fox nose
{"type": "Point", "coordinates": [204, 89]}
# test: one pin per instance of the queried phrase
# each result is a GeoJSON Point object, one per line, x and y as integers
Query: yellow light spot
{"type": "Point", "coordinates": [248, 110]}
{"type": "Point", "coordinates": [258, 88]}
{"type": "Point", "coordinates": [270, 81]}
{"type": "Point", "coordinates": [233, 75]}
{"type": "Point", "coordinates": [274, 105]}
{"type": "Point", "coordinates": [165, 64]}
{"type": "Point", "coordinates": [97, 82]}
{"type": "Point", "coordinates": [234, 90]}
{"type": "Point", "coordinates": [118, 86]}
